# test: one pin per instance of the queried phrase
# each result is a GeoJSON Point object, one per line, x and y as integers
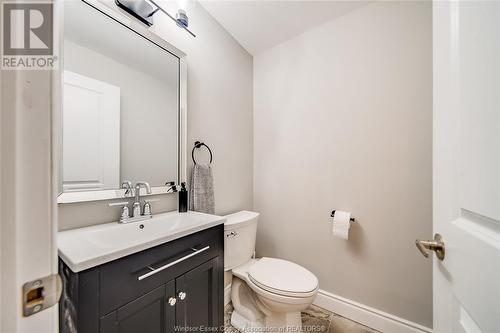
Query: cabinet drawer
{"type": "Point", "coordinates": [119, 280]}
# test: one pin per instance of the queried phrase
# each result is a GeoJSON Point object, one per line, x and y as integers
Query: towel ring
{"type": "Point", "coordinates": [198, 144]}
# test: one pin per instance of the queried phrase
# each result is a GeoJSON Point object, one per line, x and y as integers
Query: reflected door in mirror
{"type": "Point", "coordinates": [91, 134]}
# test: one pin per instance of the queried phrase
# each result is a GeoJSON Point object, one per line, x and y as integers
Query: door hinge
{"type": "Point", "coordinates": [41, 294]}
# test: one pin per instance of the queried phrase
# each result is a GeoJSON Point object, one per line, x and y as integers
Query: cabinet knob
{"type": "Point", "coordinates": [172, 301]}
{"type": "Point", "coordinates": [182, 295]}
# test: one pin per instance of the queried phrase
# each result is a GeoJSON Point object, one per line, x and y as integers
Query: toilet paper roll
{"type": "Point", "coordinates": [341, 223]}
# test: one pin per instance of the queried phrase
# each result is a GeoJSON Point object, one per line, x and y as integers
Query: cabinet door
{"type": "Point", "coordinates": [150, 313]}
{"type": "Point", "coordinates": [201, 306]}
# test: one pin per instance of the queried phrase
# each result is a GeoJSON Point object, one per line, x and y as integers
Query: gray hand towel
{"type": "Point", "coordinates": [202, 189]}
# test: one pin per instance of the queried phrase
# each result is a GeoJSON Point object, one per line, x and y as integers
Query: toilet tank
{"type": "Point", "coordinates": [240, 231]}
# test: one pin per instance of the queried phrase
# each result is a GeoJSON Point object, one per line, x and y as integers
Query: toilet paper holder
{"type": "Point", "coordinates": [352, 219]}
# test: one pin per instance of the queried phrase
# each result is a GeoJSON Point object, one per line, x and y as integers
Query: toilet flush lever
{"type": "Point", "coordinates": [437, 245]}
{"type": "Point", "coordinates": [232, 234]}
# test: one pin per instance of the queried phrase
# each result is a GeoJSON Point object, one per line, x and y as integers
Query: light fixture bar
{"type": "Point", "coordinates": [158, 7]}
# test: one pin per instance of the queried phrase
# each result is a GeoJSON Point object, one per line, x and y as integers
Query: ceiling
{"type": "Point", "coordinates": [261, 24]}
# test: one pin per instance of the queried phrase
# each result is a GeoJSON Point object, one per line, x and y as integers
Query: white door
{"type": "Point", "coordinates": [467, 165]}
{"type": "Point", "coordinates": [91, 134]}
{"type": "Point", "coordinates": [28, 249]}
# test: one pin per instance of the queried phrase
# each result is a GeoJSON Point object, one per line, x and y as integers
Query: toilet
{"type": "Point", "coordinates": [266, 293]}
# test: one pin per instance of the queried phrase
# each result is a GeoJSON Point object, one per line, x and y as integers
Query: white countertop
{"type": "Point", "coordinates": [88, 247]}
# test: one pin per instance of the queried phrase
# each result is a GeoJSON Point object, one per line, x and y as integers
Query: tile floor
{"type": "Point", "coordinates": [314, 319]}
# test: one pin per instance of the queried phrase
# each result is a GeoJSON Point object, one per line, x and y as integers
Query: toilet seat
{"type": "Point", "coordinates": [282, 277]}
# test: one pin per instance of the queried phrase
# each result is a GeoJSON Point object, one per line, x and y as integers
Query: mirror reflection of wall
{"type": "Point", "coordinates": [120, 105]}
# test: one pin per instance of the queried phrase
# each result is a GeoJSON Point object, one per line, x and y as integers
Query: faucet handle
{"type": "Point", "coordinates": [125, 213]}
{"type": "Point", "coordinates": [147, 208]}
{"type": "Point", "coordinates": [171, 187]}
{"type": "Point", "coordinates": [127, 185]}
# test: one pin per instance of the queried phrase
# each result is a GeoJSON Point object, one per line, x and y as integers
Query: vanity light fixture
{"type": "Point", "coordinates": [181, 16]}
{"type": "Point", "coordinates": [143, 11]}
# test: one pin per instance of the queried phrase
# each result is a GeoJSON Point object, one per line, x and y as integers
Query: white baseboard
{"type": "Point", "coordinates": [376, 319]}
{"type": "Point", "coordinates": [227, 295]}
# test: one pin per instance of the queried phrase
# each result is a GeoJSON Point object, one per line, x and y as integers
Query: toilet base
{"type": "Point", "coordinates": [289, 322]}
{"type": "Point", "coordinates": [246, 316]}
{"type": "Point", "coordinates": [244, 325]}
{"type": "Point", "coordinates": [276, 322]}
{"type": "Point", "coordinates": [252, 313]}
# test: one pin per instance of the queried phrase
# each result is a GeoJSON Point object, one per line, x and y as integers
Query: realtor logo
{"type": "Point", "coordinates": [27, 35]}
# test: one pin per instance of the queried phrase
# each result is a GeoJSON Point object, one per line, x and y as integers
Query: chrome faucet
{"type": "Point", "coordinates": [138, 213]}
{"type": "Point", "coordinates": [136, 207]}
{"type": "Point", "coordinates": [138, 186]}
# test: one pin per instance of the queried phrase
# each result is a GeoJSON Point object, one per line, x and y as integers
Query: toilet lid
{"type": "Point", "coordinates": [283, 277]}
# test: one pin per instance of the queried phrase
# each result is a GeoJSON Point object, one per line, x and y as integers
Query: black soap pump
{"type": "Point", "coordinates": [183, 198]}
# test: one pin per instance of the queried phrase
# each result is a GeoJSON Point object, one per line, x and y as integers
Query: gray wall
{"type": "Point", "coordinates": [220, 106]}
{"type": "Point", "coordinates": [343, 120]}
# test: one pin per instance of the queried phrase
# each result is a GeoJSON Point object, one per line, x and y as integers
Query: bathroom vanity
{"type": "Point", "coordinates": [162, 275]}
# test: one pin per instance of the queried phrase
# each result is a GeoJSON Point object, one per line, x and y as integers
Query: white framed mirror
{"type": "Point", "coordinates": [123, 105]}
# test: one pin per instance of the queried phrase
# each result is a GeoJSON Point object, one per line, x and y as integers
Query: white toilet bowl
{"type": "Point", "coordinates": [266, 293]}
{"type": "Point", "coordinates": [271, 293]}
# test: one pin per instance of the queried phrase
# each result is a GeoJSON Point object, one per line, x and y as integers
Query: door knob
{"type": "Point", "coordinates": [172, 301]}
{"type": "Point", "coordinates": [437, 245]}
{"type": "Point", "coordinates": [182, 295]}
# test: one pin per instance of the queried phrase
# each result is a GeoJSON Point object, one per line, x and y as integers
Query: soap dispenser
{"type": "Point", "coordinates": [183, 198]}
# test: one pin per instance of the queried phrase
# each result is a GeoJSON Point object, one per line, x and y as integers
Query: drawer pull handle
{"type": "Point", "coordinates": [159, 269]}
{"type": "Point", "coordinates": [172, 301]}
{"type": "Point", "coordinates": [182, 295]}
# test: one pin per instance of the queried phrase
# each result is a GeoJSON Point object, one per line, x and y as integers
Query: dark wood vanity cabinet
{"type": "Point", "coordinates": [186, 296]}
{"type": "Point", "coordinates": [148, 313]}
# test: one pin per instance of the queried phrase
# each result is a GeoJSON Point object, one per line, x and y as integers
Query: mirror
{"type": "Point", "coordinates": [120, 106]}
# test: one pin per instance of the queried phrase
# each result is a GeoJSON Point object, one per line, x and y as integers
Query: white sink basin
{"type": "Point", "coordinates": [88, 247]}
